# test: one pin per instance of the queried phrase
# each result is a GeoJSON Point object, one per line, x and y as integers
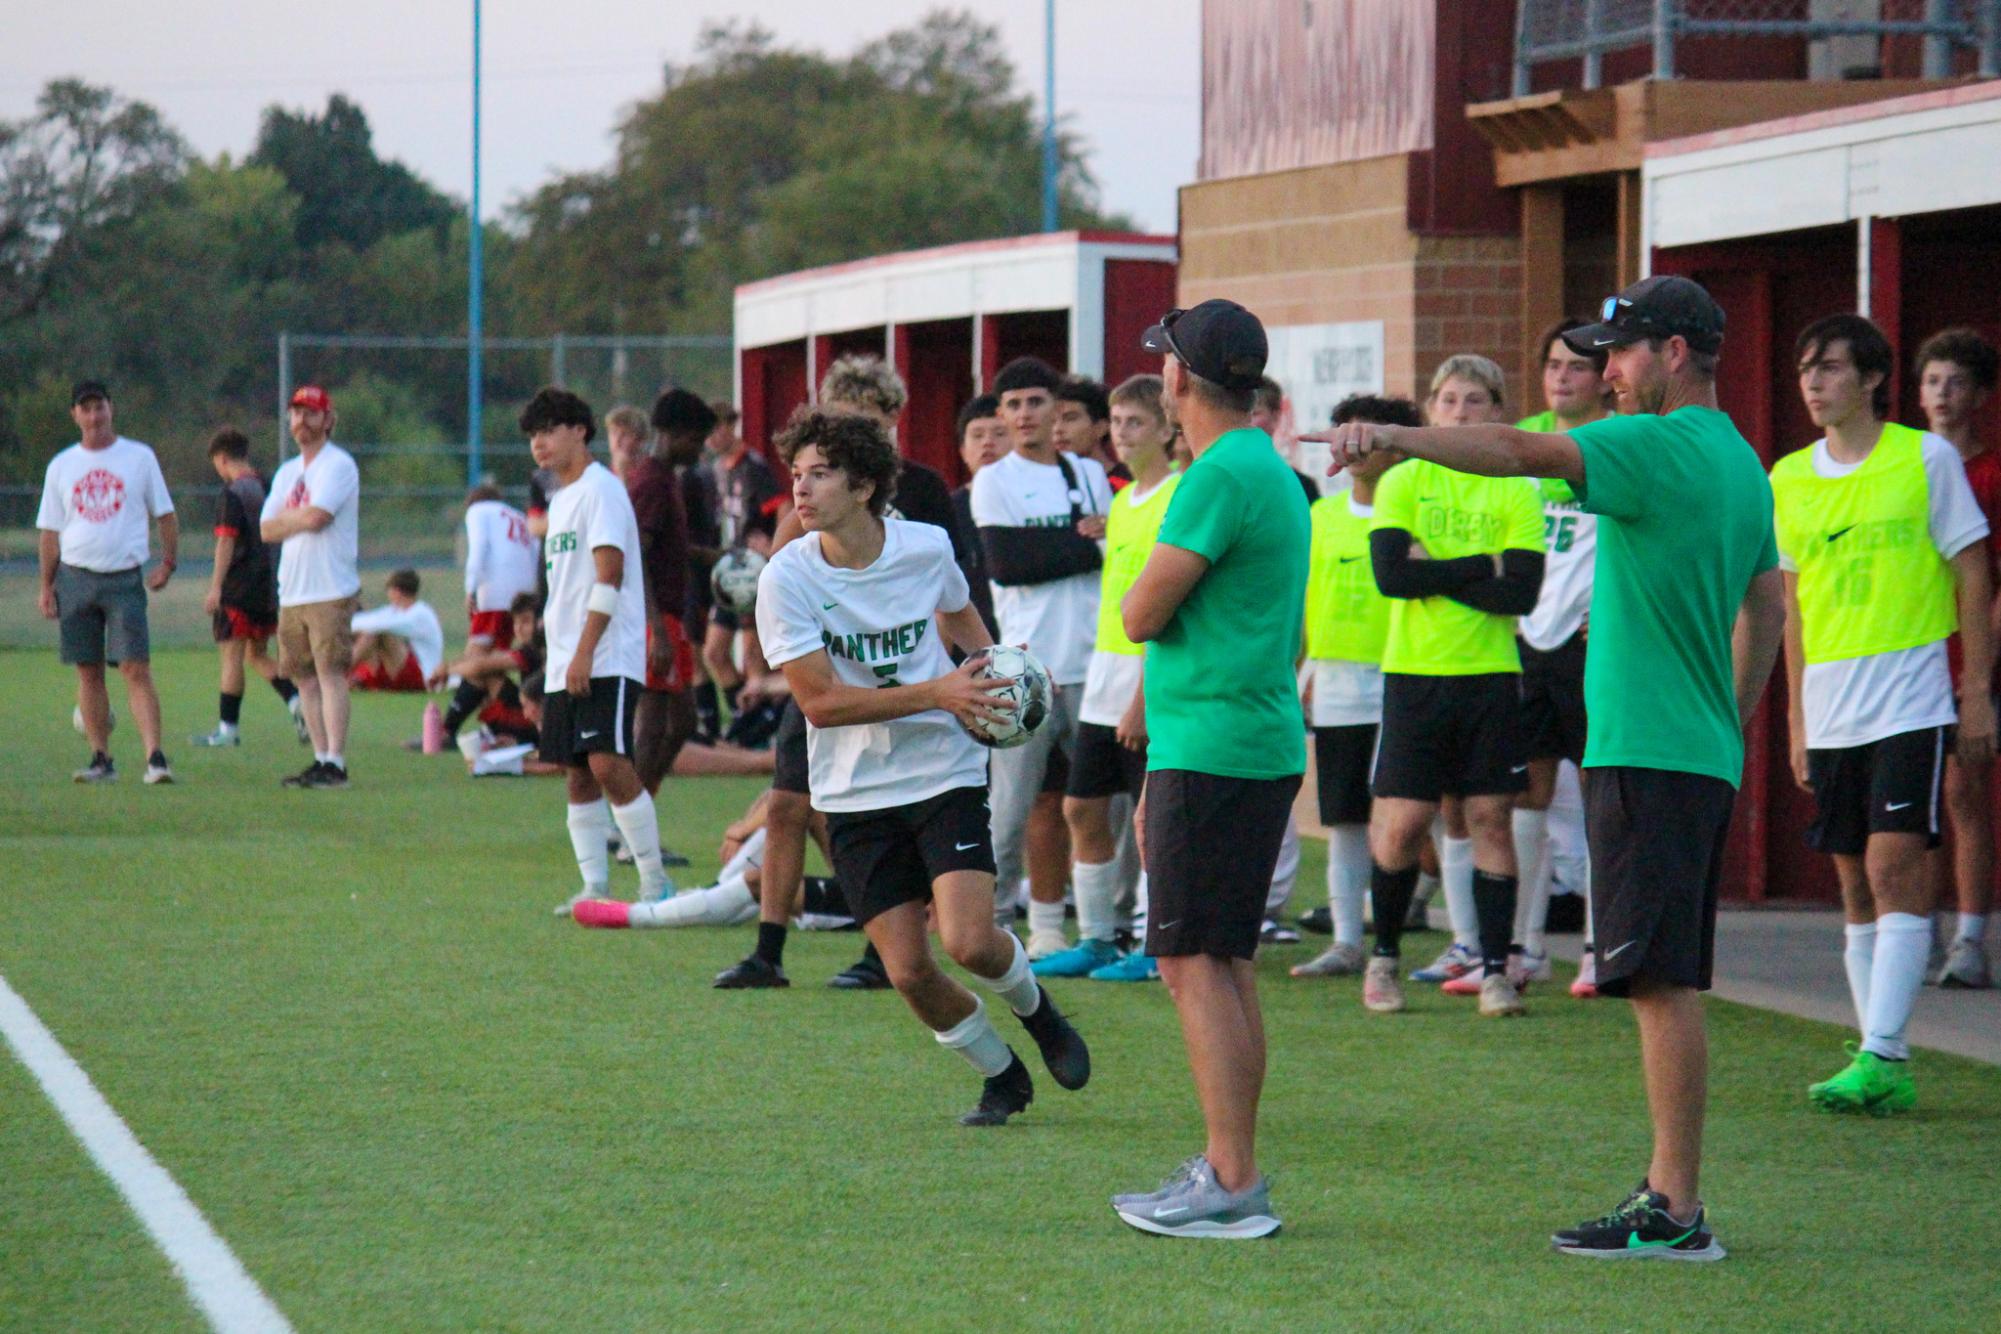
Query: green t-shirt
{"type": "Point", "coordinates": [1220, 693]}
{"type": "Point", "coordinates": [1555, 491]}
{"type": "Point", "coordinates": [1687, 523]}
{"type": "Point", "coordinates": [1454, 514]}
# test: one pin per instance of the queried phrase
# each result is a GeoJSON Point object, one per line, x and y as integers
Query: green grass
{"type": "Point", "coordinates": [410, 1099]}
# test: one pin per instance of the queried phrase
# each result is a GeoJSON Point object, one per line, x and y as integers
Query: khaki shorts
{"type": "Point", "coordinates": [317, 636]}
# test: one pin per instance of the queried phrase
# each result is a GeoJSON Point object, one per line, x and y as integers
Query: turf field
{"type": "Point", "coordinates": [409, 1098]}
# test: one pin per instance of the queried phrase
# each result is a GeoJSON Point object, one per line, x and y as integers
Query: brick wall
{"type": "Point", "coordinates": [1326, 244]}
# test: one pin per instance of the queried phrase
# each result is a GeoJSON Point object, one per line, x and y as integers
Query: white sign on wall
{"type": "Point", "coordinates": [1319, 365]}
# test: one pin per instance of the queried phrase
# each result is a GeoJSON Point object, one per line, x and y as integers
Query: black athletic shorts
{"type": "Point", "coordinates": [1342, 757]}
{"type": "Point", "coordinates": [890, 857]}
{"type": "Point", "coordinates": [1890, 786]}
{"type": "Point", "coordinates": [1212, 843]}
{"type": "Point", "coordinates": [1102, 767]}
{"type": "Point", "coordinates": [600, 723]}
{"type": "Point", "coordinates": [791, 770]}
{"type": "Point", "coordinates": [724, 617]}
{"type": "Point", "coordinates": [1455, 736]}
{"type": "Point", "coordinates": [1656, 838]}
{"type": "Point", "coordinates": [1553, 700]}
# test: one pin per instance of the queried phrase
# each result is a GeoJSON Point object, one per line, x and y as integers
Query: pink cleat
{"type": "Point", "coordinates": [1586, 985]}
{"type": "Point", "coordinates": [602, 912]}
{"type": "Point", "coordinates": [1466, 984]}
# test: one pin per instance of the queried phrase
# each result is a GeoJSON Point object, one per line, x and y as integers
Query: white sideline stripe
{"type": "Point", "coordinates": [213, 1276]}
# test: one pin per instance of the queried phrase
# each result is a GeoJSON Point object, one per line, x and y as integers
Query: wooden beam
{"type": "Point", "coordinates": [1542, 276]}
{"type": "Point", "coordinates": [1631, 200]}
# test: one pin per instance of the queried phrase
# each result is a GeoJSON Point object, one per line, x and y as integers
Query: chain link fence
{"type": "Point", "coordinates": [1548, 30]}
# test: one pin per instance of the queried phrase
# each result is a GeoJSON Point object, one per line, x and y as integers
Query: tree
{"type": "Point", "coordinates": [346, 193]}
{"type": "Point", "coordinates": [86, 159]}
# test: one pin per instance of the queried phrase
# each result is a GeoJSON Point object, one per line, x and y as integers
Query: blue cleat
{"type": "Point", "coordinates": [1139, 966]}
{"type": "Point", "coordinates": [1077, 961]}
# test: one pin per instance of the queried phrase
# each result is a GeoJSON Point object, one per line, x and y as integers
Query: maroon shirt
{"type": "Point", "coordinates": [663, 533]}
{"type": "Point", "coordinates": [1983, 474]}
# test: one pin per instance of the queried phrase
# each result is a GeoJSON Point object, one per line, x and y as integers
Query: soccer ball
{"type": "Point", "coordinates": [734, 580]}
{"type": "Point", "coordinates": [1029, 689]}
{"type": "Point", "coordinates": [76, 719]}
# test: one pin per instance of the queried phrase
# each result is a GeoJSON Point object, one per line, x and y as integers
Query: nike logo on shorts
{"type": "Point", "coordinates": [1168, 926]}
{"type": "Point", "coordinates": [1518, 769]}
{"type": "Point", "coordinates": [586, 736]}
{"type": "Point", "coordinates": [964, 847]}
{"type": "Point", "coordinates": [1613, 954]}
{"type": "Point", "coordinates": [1898, 806]}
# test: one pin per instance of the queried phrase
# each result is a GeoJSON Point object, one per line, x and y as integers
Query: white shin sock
{"type": "Point", "coordinates": [590, 834]}
{"type": "Point", "coordinates": [639, 827]}
{"type": "Point", "coordinates": [1017, 986]}
{"type": "Point", "coordinates": [1097, 889]}
{"type": "Point", "coordinates": [974, 1038]}
{"type": "Point", "coordinates": [1858, 960]}
{"type": "Point", "coordinates": [1455, 866]}
{"type": "Point", "coordinates": [1348, 869]}
{"type": "Point", "coordinates": [1903, 943]}
{"type": "Point", "coordinates": [1532, 862]}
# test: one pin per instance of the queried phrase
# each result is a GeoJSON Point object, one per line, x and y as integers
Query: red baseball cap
{"type": "Point", "coordinates": [312, 398]}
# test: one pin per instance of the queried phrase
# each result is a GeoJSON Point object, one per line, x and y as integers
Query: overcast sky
{"type": "Point", "coordinates": [557, 74]}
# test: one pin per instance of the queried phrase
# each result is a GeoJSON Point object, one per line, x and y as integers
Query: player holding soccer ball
{"type": "Point", "coordinates": [856, 613]}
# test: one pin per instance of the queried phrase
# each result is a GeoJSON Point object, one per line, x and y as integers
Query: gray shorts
{"type": "Point", "coordinates": [103, 616]}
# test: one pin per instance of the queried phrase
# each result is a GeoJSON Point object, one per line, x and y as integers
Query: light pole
{"type": "Point", "coordinates": [1048, 115]}
{"type": "Point", "coordinates": [475, 283]}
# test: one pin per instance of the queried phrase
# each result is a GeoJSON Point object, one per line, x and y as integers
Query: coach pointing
{"type": "Point", "coordinates": [1687, 614]}
{"type": "Point", "coordinates": [1217, 606]}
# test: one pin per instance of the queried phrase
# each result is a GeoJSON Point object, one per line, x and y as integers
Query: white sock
{"type": "Point", "coordinates": [1903, 943]}
{"type": "Point", "coordinates": [1532, 863]}
{"type": "Point", "coordinates": [748, 857]}
{"type": "Point", "coordinates": [321, 757]}
{"type": "Point", "coordinates": [1097, 899]}
{"type": "Point", "coordinates": [1427, 888]}
{"type": "Point", "coordinates": [1044, 916]}
{"type": "Point", "coordinates": [639, 826]}
{"type": "Point", "coordinates": [229, 729]}
{"type": "Point", "coordinates": [590, 835]}
{"type": "Point", "coordinates": [1590, 935]}
{"type": "Point", "coordinates": [719, 905]}
{"type": "Point", "coordinates": [1348, 869]}
{"type": "Point", "coordinates": [1455, 865]}
{"type": "Point", "coordinates": [1139, 907]}
{"type": "Point", "coordinates": [1285, 871]}
{"type": "Point", "coordinates": [1017, 986]}
{"type": "Point", "coordinates": [1972, 926]}
{"type": "Point", "coordinates": [1858, 960]}
{"type": "Point", "coordinates": [974, 1038]}
{"type": "Point", "coordinates": [336, 759]}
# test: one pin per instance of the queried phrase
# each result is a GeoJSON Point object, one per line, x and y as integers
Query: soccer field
{"type": "Point", "coordinates": [409, 1098]}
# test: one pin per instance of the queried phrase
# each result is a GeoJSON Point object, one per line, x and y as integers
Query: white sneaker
{"type": "Point", "coordinates": [158, 772]}
{"type": "Point", "coordinates": [1965, 967]}
{"type": "Point", "coordinates": [1042, 944]}
{"type": "Point", "coordinates": [1498, 997]}
{"type": "Point", "coordinates": [298, 712]}
{"type": "Point", "coordinates": [1337, 960]}
{"type": "Point", "coordinates": [1455, 961]}
{"type": "Point", "coordinates": [221, 736]}
{"type": "Point", "coordinates": [1525, 967]}
{"type": "Point", "coordinates": [1382, 992]}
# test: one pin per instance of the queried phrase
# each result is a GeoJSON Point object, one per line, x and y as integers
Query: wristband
{"type": "Point", "coordinates": [603, 599]}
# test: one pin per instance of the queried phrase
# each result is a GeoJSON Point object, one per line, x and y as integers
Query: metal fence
{"type": "Point", "coordinates": [1590, 29]}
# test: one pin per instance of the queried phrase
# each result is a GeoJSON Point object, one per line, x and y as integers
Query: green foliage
{"type": "Point", "coordinates": [347, 195]}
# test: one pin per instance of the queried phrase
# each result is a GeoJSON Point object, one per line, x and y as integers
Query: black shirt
{"type": "Point", "coordinates": [972, 556]}
{"type": "Point", "coordinates": [922, 497]}
{"type": "Point", "coordinates": [250, 583]}
{"type": "Point", "coordinates": [746, 489]}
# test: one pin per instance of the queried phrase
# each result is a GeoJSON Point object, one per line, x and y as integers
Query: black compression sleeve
{"type": "Point", "coordinates": [1514, 593]}
{"type": "Point", "coordinates": [1038, 555]}
{"type": "Point", "coordinates": [1398, 576]}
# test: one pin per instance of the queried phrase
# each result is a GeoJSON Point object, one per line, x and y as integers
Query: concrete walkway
{"type": "Point", "coordinates": [1790, 960]}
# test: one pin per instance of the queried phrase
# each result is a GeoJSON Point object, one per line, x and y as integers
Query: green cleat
{"type": "Point", "coordinates": [1868, 1083]}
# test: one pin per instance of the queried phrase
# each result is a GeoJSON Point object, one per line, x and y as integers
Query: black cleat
{"type": "Point", "coordinates": [1320, 921]}
{"type": "Point", "coordinates": [752, 972]}
{"type": "Point", "coordinates": [306, 777]}
{"type": "Point", "coordinates": [864, 974]}
{"type": "Point", "coordinates": [330, 776]}
{"type": "Point", "coordinates": [1061, 1045]}
{"type": "Point", "coordinates": [669, 857]}
{"type": "Point", "coordinates": [1641, 1229]}
{"type": "Point", "coordinates": [1006, 1093]}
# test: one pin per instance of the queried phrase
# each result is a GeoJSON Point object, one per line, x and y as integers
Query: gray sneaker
{"type": "Point", "coordinates": [1337, 960]}
{"type": "Point", "coordinates": [1965, 967]}
{"type": "Point", "coordinates": [1199, 1207]}
{"type": "Point", "coordinates": [1175, 1180]}
{"type": "Point", "coordinates": [99, 770]}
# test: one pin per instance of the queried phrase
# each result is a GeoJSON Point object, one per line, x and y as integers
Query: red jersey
{"type": "Point", "coordinates": [1983, 474]}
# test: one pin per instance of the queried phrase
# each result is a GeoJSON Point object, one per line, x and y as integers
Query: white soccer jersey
{"type": "Point", "coordinates": [416, 624]}
{"type": "Point", "coordinates": [877, 628]}
{"type": "Point", "coordinates": [1057, 620]}
{"type": "Point", "coordinates": [98, 501]}
{"type": "Point", "coordinates": [1570, 542]}
{"type": "Point", "coordinates": [322, 566]}
{"type": "Point", "coordinates": [591, 512]}
{"type": "Point", "coordinates": [500, 555]}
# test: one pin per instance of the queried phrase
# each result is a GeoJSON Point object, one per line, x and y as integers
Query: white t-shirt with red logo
{"type": "Point", "coordinates": [318, 566]}
{"type": "Point", "coordinates": [501, 554]}
{"type": "Point", "coordinates": [99, 501]}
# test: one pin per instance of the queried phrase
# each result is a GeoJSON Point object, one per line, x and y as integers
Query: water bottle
{"type": "Point", "coordinates": [434, 729]}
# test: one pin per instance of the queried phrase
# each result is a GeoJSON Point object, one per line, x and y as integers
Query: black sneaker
{"type": "Point", "coordinates": [1006, 1093]}
{"type": "Point", "coordinates": [1320, 921]}
{"type": "Point", "coordinates": [306, 777]}
{"type": "Point", "coordinates": [330, 775]}
{"type": "Point", "coordinates": [99, 770]}
{"type": "Point", "coordinates": [1275, 932]}
{"type": "Point", "coordinates": [752, 972]}
{"type": "Point", "coordinates": [864, 974]}
{"type": "Point", "coordinates": [1061, 1045]}
{"type": "Point", "coordinates": [1641, 1229]}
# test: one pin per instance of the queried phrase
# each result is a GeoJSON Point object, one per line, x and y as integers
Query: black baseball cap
{"type": "Point", "coordinates": [86, 390]}
{"type": "Point", "coordinates": [1658, 307]}
{"type": "Point", "coordinates": [1218, 340]}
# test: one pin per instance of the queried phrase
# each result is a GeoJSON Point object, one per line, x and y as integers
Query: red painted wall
{"type": "Point", "coordinates": [1137, 293]}
{"type": "Point", "coordinates": [774, 383]}
{"type": "Point", "coordinates": [936, 360]}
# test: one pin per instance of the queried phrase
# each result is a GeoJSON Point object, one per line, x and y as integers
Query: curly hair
{"type": "Point", "coordinates": [867, 383]}
{"type": "Point", "coordinates": [849, 441]}
{"type": "Point", "coordinates": [1962, 347]}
